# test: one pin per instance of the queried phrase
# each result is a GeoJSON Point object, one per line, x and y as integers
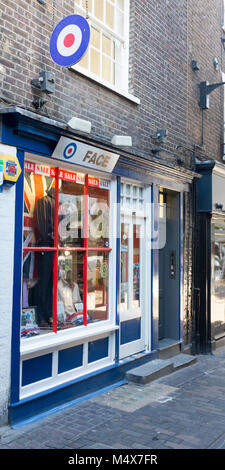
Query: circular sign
{"type": "Point", "coordinates": [69, 150]}
{"type": "Point", "coordinates": [69, 40]}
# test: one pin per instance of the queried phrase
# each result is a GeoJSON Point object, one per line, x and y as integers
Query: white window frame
{"type": "Point", "coordinates": [121, 86]}
{"type": "Point", "coordinates": [144, 219]}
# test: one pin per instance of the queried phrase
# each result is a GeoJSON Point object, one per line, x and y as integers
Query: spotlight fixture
{"type": "Point", "coordinates": [122, 140]}
{"type": "Point", "coordinates": [79, 125]}
{"type": "Point", "coordinates": [42, 2]}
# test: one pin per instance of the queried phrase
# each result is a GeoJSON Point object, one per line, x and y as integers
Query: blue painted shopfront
{"type": "Point", "coordinates": [39, 137]}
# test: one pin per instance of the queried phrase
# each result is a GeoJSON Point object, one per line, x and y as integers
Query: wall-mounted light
{"type": "Point", "coordinates": [122, 140]}
{"type": "Point", "coordinates": [79, 125]}
{"type": "Point", "coordinates": [216, 63]}
{"type": "Point", "coordinates": [42, 2]}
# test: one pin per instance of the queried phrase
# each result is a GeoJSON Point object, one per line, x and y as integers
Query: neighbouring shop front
{"type": "Point", "coordinates": [210, 257]}
{"type": "Point", "coordinates": [98, 263]}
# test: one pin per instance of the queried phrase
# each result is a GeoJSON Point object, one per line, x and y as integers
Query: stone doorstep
{"type": "Point", "coordinates": [159, 368]}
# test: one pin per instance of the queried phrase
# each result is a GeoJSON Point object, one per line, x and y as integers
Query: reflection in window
{"type": "Point", "coordinates": [97, 286]}
{"type": "Point", "coordinates": [71, 214]}
{"type": "Point", "coordinates": [136, 265]}
{"type": "Point", "coordinates": [98, 217]}
{"type": "Point", "coordinates": [218, 276]}
{"type": "Point", "coordinates": [38, 231]}
{"type": "Point", "coordinates": [124, 266]}
{"type": "Point", "coordinates": [61, 278]}
{"type": "Point", "coordinates": [70, 289]}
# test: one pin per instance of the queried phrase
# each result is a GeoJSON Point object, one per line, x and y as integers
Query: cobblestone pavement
{"type": "Point", "coordinates": [184, 410]}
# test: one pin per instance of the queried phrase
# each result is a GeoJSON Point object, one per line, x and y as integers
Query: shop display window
{"type": "Point", "coordinates": [218, 277]}
{"type": "Point", "coordinates": [65, 250]}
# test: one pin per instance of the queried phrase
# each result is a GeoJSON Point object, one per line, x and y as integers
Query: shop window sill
{"type": "Point", "coordinates": [51, 341]}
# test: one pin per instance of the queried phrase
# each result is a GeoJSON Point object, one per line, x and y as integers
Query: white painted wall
{"type": "Point", "coordinates": [7, 220]}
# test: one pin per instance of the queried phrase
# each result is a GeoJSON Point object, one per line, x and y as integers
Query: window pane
{"type": "Point", "coordinates": [109, 15]}
{"type": "Point", "coordinates": [218, 276]}
{"type": "Point", "coordinates": [98, 217]}
{"type": "Point", "coordinates": [120, 4]}
{"type": "Point", "coordinates": [37, 293]}
{"type": "Point", "coordinates": [95, 62]}
{"type": "Point", "coordinates": [70, 289]}
{"type": "Point", "coordinates": [124, 267]}
{"type": "Point", "coordinates": [95, 38]}
{"type": "Point", "coordinates": [71, 214]}
{"type": "Point", "coordinates": [99, 9]}
{"type": "Point", "coordinates": [39, 202]}
{"type": "Point", "coordinates": [106, 69]}
{"type": "Point", "coordinates": [84, 61]}
{"type": "Point", "coordinates": [97, 286]}
{"type": "Point", "coordinates": [106, 45]}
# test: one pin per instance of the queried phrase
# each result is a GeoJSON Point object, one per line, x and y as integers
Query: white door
{"type": "Point", "coordinates": [132, 278]}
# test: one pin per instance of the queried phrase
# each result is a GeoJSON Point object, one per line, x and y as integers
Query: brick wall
{"type": "Point", "coordinates": [205, 18]}
{"type": "Point", "coordinates": [158, 62]}
{"type": "Point", "coordinates": [7, 210]}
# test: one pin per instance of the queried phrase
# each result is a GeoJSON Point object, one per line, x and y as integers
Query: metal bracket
{"type": "Point", "coordinates": [205, 90]}
{"type": "Point", "coordinates": [45, 82]}
{"type": "Point", "coordinates": [38, 103]}
{"type": "Point", "coordinates": [160, 135]}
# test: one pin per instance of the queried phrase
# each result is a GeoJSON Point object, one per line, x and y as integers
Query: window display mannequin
{"type": "Point", "coordinates": [69, 294]}
{"type": "Point", "coordinates": [44, 228]}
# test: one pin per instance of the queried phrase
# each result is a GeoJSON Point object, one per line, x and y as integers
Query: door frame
{"type": "Point", "coordinates": [142, 344]}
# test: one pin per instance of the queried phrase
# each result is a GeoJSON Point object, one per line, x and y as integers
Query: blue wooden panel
{"type": "Point", "coordinates": [98, 349]}
{"type": "Point", "coordinates": [70, 358]}
{"type": "Point", "coordinates": [36, 369]}
{"type": "Point", "coordinates": [130, 330]}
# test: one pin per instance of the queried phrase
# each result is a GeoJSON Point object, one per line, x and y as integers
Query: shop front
{"type": "Point", "coordinates": [209, 269]}
{"type": "Point", "coordinates": [98, 264]}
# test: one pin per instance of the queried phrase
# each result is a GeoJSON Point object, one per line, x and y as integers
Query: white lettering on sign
{"type": "Point", "coordinates": [42, 170]}
{"type": "Point", "coordinates": [85, 155]}
{"type": "Point", "coordinates": [29, 166]}
{"type": "Point", "coordinates": [66, 175]}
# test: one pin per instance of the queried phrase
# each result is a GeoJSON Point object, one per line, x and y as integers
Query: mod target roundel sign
{"type": "Point", "coordinates": [69, 40]}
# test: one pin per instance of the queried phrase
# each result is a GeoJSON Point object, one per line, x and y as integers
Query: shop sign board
{"type": "Point", "coordinates": [83, 154]}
